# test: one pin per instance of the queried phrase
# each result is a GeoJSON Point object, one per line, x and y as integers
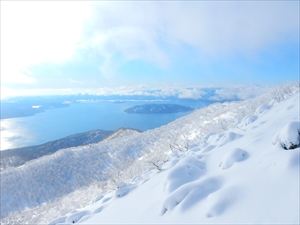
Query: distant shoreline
{"type": "Point", "coordinates": [158, 109]}
{"type": "Point", "coordinates": [16, 110]}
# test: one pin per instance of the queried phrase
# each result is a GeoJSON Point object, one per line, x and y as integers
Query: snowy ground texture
{"type": "Point", "coordinates": [233, 163]}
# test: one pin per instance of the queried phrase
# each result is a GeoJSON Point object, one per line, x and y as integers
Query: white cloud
{"type": "Point", "coordinates": [227, 27]}
{"type": "Point", "coordinates": [33, 32]}
{"type": "Point", "coordinates": [124, 43]}
{"type": "Point", "coordinates": [6, 92]}
{"type": "Point", "coordinates": [239, 92]}
{"type": "Point", "coordinates": [144, 30]}
{"type": "Point", "coordinates": [191, 93]}
{"type": "Point", "coordinates": [17, 77]}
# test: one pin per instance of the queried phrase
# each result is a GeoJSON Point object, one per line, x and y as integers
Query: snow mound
{"type": "Point", "coordinates": [75, 217]}
{"type": "Point", "coordinates": [262, 108]}
{"type": "Point", "coordinates": [225, 138]}
{"type": "Point", "coordinates": [123, 190]}
{"type": "Point", "coordinates": [248, 120]}
{"type": "Point", "coordinates": [288, 136]}
{"type": "Point", "coordinates": [186, 170]}
{"type": "Point", "coordinates": [190, 193]}
{"type": "Point", "coordinates": [58, 220]}
{"type": "Point", "coordinates": [233, 156]}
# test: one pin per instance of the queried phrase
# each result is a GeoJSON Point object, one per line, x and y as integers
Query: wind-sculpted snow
{"type": "Point", "coordinates": [289, 135]}
{"type": "Point", "coordinates": [220, 201]}
{"type": "Point", "coordinates": [191, 193]}
{"type": "Point", "coordinates": [214, 175]}
{"type": "Point", "coordinates": [233, 156]}
{"type": "Point", "coordinates": [262, 108]}
{"type": "Point", "coordinates": [123, 190]}
{"type": "Point", "coordinates": [247, 120]}
{"type": "Point", "coordinates": [187, 170]}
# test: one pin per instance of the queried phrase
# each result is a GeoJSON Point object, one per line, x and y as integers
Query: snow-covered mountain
{"type": "Point", "coordinates": [248, 174]}
{"type": "Point", "coordinates": [19, 156]}
{"type": "Point", "coordinates": [122, 132]}
{"type": "Point", "coordinates": [226, 163]}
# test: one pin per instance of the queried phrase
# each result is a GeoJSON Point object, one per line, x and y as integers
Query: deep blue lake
{"type": "Point", "coordinates": [81, 117]}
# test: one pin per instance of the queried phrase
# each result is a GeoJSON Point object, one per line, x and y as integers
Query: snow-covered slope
{"type": "Point", "coordinates": [19, 156]}
{"type": "Point", "coordinates": [244, 175]}
{"type": "Point", "coordinates": [220, 162]}
{"type": "Point", "coordinates": [121, 133]}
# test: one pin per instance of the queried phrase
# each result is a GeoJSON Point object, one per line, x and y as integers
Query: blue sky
{"type": "Point", "coordinates": [54, 47]}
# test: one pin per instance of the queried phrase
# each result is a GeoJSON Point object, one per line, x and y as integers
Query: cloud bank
{"type": "Point", "coordinates": [148, 30]}
{"type": "Point", "coordinates": [72, 45]}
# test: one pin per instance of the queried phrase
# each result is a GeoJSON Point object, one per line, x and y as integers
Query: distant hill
{"type": "Point", "coordinates": [122, 132]}
{"type": "Point", "coordinates": [19, 156]}
{"type": "Point", "coordinates": [158, 108]}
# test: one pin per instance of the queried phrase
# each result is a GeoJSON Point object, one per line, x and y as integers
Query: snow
{"type": "Point", "coordinates": [243, 178]}
{"type": "Point", "coordinates": [230, 166]}
{"type": "Point", "coordinates": [19, 156]}
{"type": "Point", "coordinates": [233, 156]}
{"type": "Point", "coordinates": [187, 170]}
{"type": "Point", "coordinates": [247, 120]}
{"type": "Point", "coordinates": [122, 132]}
{"type": "Point", "coordinates": [288, 136]}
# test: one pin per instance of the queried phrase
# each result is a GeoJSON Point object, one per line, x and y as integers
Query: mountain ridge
{"type": "Point", "coordinates": [19, 156]}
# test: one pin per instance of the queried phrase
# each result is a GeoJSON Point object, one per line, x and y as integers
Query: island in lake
{"type": "Point", "coordinates": [158, 108]}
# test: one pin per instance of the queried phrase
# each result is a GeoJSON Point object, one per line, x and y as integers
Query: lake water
{"type": "Point", "coordinates": [81, 117]}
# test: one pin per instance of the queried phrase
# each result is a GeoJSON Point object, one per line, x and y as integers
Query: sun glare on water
{"type": "Point", "coordinates": [11, 134]}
